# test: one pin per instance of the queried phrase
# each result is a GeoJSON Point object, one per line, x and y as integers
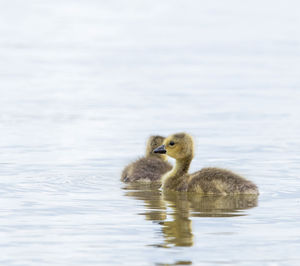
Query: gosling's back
{"type": "Point", "coordinates": [146, 169]}
{"type": "Point", "coordinates": [220, 181]}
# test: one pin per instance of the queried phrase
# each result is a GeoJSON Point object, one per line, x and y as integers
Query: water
{"type": "Point", "coordinates": [84, 83]}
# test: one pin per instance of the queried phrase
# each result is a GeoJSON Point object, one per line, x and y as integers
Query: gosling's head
{"type": "Point", "coordinates": [177, 146]}
{"type": "Point", "coordinates": [153, 143]}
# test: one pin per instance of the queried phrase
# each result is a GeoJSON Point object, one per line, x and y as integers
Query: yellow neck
{"type": "Point", "coordinates": [180, 168]}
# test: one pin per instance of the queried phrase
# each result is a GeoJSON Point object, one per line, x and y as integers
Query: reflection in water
{"type": "Point", "coordinates": [181, 262]}
{"type": "Point", "coordinates": [220, 206]}
{"type": "Point", "coordinates": [178, 231]}
{"type": "Point", "coordinates": [177, 225]}
{"type": "Point", "coordinates": [155, 206]}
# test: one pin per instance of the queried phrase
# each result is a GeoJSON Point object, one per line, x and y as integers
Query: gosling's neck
{"type": "Point", "coordinates": [182, 166]}
{"type": "Point", "coordinates": [179, 170]}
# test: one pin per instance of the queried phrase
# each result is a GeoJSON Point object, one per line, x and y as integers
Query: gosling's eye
{"type": "Point", "coordinates": [171, 143]}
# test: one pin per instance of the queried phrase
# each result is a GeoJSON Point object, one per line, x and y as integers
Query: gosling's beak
{"type": "Point", "coordinates": [160, 149]}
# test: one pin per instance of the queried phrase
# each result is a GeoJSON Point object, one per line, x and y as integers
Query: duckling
{"type": "Point", "coordinates": [149, 168]}
{"type": "Point", "coordinates": [215, 181]}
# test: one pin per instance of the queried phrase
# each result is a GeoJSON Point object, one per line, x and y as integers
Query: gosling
{"type": "Point", "coordinates": [213, 181]}
{"type": "Point", "coordinates": [149, 168]}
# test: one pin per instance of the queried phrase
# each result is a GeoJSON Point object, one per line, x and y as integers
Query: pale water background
{"type": "Point", "coordinates": [84, 83]}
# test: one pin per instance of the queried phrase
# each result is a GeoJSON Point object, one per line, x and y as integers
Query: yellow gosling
{"type": "Point", "coordinates": [209, 181]}
{"type": "Point", "coordinates": [149, 168]}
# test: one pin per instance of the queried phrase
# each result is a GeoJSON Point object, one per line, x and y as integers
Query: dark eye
{"type": "Point", "coordinates": [171, 143]}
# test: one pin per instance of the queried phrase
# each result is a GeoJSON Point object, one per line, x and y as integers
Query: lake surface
{"type": "Point", "coordinates": [85, 83]}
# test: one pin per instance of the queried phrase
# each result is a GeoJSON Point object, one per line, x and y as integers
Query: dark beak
{"type": "Point", "coordinates": [161, 149]}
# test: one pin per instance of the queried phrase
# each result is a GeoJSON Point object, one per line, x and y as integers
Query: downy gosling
{"type": "Point", "coordinates": [213, 181]}
{"type": "Point", "coordinates": [149, 168]}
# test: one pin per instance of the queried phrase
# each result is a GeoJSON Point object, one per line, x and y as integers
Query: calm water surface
{"type": "Point", "coordinates": [84, 83]}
